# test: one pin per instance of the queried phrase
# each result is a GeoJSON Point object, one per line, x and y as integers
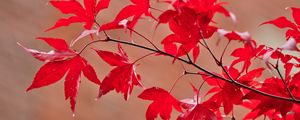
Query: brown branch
{"type": "Point", "coordinates": [229, 76]}
{"type": "Point", "coordinates": [219, 63]}
{"type": "Point", "coordinates": [201, 69]}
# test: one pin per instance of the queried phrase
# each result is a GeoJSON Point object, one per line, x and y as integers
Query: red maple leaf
{"type": "Point", "coordinates": [185, 33]}
{"type": "Point", "coordinates": [86, 14]}
{"type": "Point", "coordinates": [235, 35]}
{"type": "Point", "coordinates": [135, 10]}
{"type": "Point", "coordinates": [226, 93]}
{"type": "Point", "coordinates": [195, 110]}
{"type": "Point", "coordinates": [189, 23]}
{"type": "Point", "coordinates": [59, 62]}
{"type": "Point", "coordinates": [267, 105]}
{"type": "Point", "coordinates": [246, 54]}
{"type": "Point", "coordinates": [162, 104]}
{"type": "Point", "coordinates": [123, 77]}
{"type": "Point", "coordinates": [293, 28]}
{"type": "Point", "coordinates": [199, 112]}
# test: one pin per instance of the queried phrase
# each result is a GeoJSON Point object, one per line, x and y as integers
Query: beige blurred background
{"type": "Point", "coordinates": [23, 20]}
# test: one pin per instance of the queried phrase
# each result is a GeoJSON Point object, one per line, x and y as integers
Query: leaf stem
{"type": "Point", "coordinates": [156, 9]}
{"type": "Point", "coordinates": [284, 83]}
{"type": "Point", "coordinates": [143, 57]}
{"type": "Point", "coordinates": [176, 82]}
{"type": "Point", "coordinates": [89, 45]}
{"type": "Point", "coordinates": [219, 63]}
{"type": "Point", "coordinates": [99, 28]}
{"type": "Point", "coordinates": [198, 92]}
{"type": "Point", "coordinates": [221, 59]}
{"type": "Point", "coordinates": [139, 34]}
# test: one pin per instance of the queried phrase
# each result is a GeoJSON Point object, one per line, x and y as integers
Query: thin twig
{"type": "Point", "coordinates": [89, 45]}
{"type": "Point", "coordinates": [144, 38]}
{"type": "Point", "coordinates": [103, 30]}
{"type": "Point", "coordinates": [284, 83]}
{"type": "Point", "coordinates": [219, 63]}
{"type": "Point", "coordinates": [176, 81]}
{"type": "Point", "coordinates": [221, 59]}
{"type": "Point", "coordinates": [144, 57]}
{"type": "Point", "coordinates": [198, 92]}
{"type": "Point", "coordinates": [156, 9]}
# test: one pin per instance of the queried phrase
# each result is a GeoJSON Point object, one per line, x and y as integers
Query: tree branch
{"type": "Point", "coordinates": [201, 69]}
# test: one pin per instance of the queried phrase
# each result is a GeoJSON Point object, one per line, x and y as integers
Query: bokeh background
{"type": "Point", "coordinates": [24, 20]}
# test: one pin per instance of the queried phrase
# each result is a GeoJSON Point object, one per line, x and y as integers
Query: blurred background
{"type": "Point", "coordinates": [24, 20]}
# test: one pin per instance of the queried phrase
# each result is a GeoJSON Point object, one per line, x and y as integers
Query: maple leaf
{"type": "Point", "coordinates": [86, 14]}
{"type": "Point", "coordinates": [60, 52]}
{"type": "Point", "coordinates": [249, 78]}
{"type": "Point", "coordinates": [162, 104]}
{"type": "Point", "coordinates": [185, 35]}
{"type": "Point", "coordinates": [207, 8]}
{"type": "Point", "coordinates": [268, 105]}
{"type": "Point", "coordinates": [226, 93]}
{"type": "Point", "coordinates": [293, 29]}
{"type": "Point", "coordinates": [123, 77]}
{"type": "Point", "coordinates": [245, 55]}
{"type": "Point", "coordinates": [200, 112]}
{"type": "Point", "coordinates": [195, 110]}
{"type": "Point", "coordinates": [281, 22]}
{"type": "Point", "coordinates": [235, 35]}
{"type": "Point", "coordinates": [135, 10]}
{"type": "Point", "coordinates": [295, 84]}
{"type": "Point", "coordinates": [190, 23]}
{"type": "Point", "coordinates": [57, 64]}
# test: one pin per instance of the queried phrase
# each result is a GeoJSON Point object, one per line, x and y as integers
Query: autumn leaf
{"type": "Point", "coordinates": [200, 112]}
{"type": "Point", "coordinates": [195, 110]}
{"type": "Point", "coordinates": [246, 54]}
{"type": "Point", "coordinates": [268, 105]}
{"type": "Point", "coordinates": [57, 64]}
{"type": "Point", "coordinates": [281, 22]}
{"type": "Point", "coordinates": [86, 14]}
{"type": "Point", "coordinates": [123, 77]}
{"type": "Point", "coordinates": [162, 104]}
{"type": "Point", "coordinates": [189, 23]}
{"type": "Point", "coordinates": [293, 29]}
{"type": "Point", "coordinates": [135, 10]}
{"type": "Point", "coordinates": [225, 93]}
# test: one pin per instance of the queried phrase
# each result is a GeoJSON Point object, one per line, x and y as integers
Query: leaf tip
{"type": "Point", "coordinates": [28, 89]}
{"type": "Point", "coordinates": [49, 29]}
{"type": "Point", "coordinates": [99, 94]}
{"type": "Point", "coordinates": [19, 44]}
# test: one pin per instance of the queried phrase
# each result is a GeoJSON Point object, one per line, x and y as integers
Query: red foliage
{"type": "Point", "coordinates": [84, 14]}
{"type": "Point", "coordinates": [162, 104]}
{"type": "Point", "coordinates": [123, 77]}
{"type": "Point", "coordinates": [57, 63]}
{"type": "Point", "coordinates": [191, 23]}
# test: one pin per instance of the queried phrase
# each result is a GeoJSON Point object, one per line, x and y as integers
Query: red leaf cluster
{"type": "Point", "coordinates": [123, 77]}
{"type": "Point", "coordinates": [275, 95]}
